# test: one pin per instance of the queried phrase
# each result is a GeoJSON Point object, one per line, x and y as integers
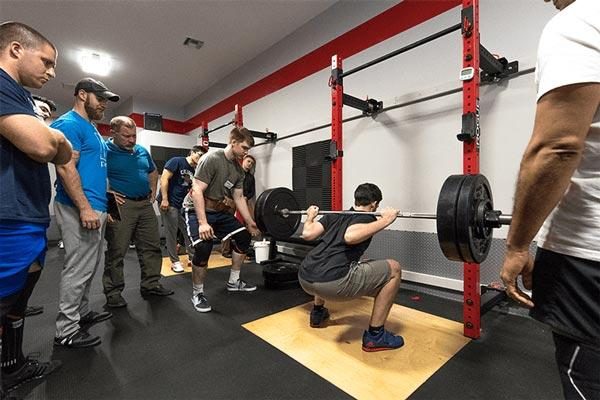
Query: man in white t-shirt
{"type": "Point", "coordinates": [558, 190]}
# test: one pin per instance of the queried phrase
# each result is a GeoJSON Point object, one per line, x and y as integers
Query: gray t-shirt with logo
{"type": "Point", "coordinates": [220, 174]}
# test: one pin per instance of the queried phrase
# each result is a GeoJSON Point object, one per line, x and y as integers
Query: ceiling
{"type": "Point", "coordinates": [145, 37]}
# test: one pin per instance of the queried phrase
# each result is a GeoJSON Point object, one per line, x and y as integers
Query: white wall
{"type": "Point", "coordinates": [147, 138]}
{"type": "Point", "coordinates": [410, 151]}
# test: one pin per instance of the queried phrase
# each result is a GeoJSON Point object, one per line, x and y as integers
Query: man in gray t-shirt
{"type": "Point", "coordinates": [219, 176]}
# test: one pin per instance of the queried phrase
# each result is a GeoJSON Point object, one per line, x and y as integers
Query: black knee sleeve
{"type": "Point", "coordinates": [240, 242]}
{"type": "Point", "coordinates": [202, 253]}
{"type": "Point", "coordinates": [18, 308]}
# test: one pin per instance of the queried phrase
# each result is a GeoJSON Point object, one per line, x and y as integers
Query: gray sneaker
{"type": "Point", "coordinates": [240, 286]}
{"type": "Point", "coordinates": [201, 303]}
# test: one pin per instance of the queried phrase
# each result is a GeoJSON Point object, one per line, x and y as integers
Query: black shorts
{"type": "Point", "coordinates": [222, 223]}
{"type": "Point", "coordinates": [566, 294]}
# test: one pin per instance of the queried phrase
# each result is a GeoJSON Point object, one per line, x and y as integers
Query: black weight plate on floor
{"type": "Point", "coordinates": [280, 272]}
{"type": "Point", "coordinates": [446, 217]}
{"type": "Point", "coordinates": [473, 238]}
{"type": "Point", "coordinates": [269, 221]}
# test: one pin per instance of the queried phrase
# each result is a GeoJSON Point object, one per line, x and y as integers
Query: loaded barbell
{"type": "Point", "coordinates": [465, 216]}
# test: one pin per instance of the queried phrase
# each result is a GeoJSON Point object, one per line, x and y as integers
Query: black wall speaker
{"type": "Point", "coordinates": [153, 122]}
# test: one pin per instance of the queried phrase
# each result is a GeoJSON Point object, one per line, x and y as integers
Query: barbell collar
{"type": "Point", "coordinates": [495, 219]}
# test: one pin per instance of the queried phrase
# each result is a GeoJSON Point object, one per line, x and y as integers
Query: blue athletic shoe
{"type": "Point", "coordinates": [385, 340]}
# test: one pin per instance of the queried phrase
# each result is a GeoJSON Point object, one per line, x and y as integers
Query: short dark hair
{"type": "Point", "coordinates": [50, 103]}
{"type": "Point", "coordinates": [366, 193]}
{"type": "Point", "coordinates": [18, 32]}
{"type": "Point", "coordinates": [241, 135]}
{"type": "Point", "coordinates": [198, 149]}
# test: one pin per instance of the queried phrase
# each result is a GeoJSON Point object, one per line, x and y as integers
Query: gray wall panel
{"type": "Point", "coordinates": [420, 252]}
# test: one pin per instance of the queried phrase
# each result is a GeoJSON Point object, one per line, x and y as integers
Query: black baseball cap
{"type": "Point", "coordinates": [93, 86]}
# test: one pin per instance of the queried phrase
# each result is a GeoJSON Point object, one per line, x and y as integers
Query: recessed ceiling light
{"type": "Point", "coordinates": [194, 43]}
{"type": "Point", "coordinates": [94, 62]}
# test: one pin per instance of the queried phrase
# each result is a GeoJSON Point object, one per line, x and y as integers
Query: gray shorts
{"type": "Point", "coordinates": [365, 278]}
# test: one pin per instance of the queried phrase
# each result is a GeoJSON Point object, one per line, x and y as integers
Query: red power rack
{"type": "Point", "coordinates": [470, 134]}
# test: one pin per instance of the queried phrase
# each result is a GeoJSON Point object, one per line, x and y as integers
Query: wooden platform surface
{"type": "Point", "coordinates": [335, 353]}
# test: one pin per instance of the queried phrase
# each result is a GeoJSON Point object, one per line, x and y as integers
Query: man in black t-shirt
{"type": "Point", "coordinates": [332, 270]}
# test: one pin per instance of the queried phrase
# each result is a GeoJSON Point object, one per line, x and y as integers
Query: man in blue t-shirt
{"type": "Point", "coordinates": [27, 59]}
{"type": "Point", "coordinates": [80, 207]}
{"type": "Point", "coordinates": [132, 176]}
{"type": "Point", "coordinates": [333, 270]}
{"type": "Point", "coordinates": [175, 183]}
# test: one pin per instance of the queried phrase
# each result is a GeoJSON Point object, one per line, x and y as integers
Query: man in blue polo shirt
{"type": "Point", "coordinates": [133, 176]}
{"type": "Point", "coordinates": [80, 208]}
{"type": "Point", "coordinates": [27, 59]}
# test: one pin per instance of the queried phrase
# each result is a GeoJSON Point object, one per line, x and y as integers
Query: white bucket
{"type": "Point", "coordinates": [261, 251]}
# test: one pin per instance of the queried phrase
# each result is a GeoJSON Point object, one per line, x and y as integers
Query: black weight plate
{"type": "Point", "coordinates": [446, 217]}
{"type": "Point", "coordinates": [473, 238]}
{"type": "Point", "coordinates": [271, 222]}
{"type": "Point", "coordinates": [259, 210]}
{"type": "Point", "coordinates": [280, 272]}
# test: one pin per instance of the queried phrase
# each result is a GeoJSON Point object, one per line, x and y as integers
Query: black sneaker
{"type": "Point", "coordinates": [317, 317]}
{"type": "Point", "coordinates": [200, 303]}
{"type": "Point", "coordinates": [33, 310]}
{"type": "Point", "coordinates": [32, 369]}
{"type": "Point", "coordinates": [158, 290]}
{"type": "Point", "coordinates": [77, 339]}
{"type": "Point", "coordinates": [240, 286]}
{"type": "Point", "coordinates": [115, 301]}
{"type": "Point", "coordinates": [93, 317]}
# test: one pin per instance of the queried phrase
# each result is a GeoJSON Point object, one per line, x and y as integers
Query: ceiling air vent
{"type": "Point", "coordinates": [193, 43]}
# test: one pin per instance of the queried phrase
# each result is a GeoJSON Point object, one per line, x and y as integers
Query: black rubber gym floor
{"type": "Point", "coordinates": [162, 349]}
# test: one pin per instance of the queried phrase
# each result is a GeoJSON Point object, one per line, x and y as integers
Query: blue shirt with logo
{"type": "Point", "coordinates": [128, 170]}
{"type": "Point", "coordinates": [181, 181]}
{"type": "Point", "coordinates": [25, 188]}
{"type": "Point", "coordinates": [92, 160]}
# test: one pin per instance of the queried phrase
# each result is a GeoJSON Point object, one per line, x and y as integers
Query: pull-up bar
{"type": "Point", "coordinates": [403, 49]}
{"type": "Point", "coordinates": [216, 128]}
{"type": "Point", "coordinates": [400, 105]}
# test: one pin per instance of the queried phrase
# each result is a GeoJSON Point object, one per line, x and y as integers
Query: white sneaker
{"type": "Point", "coordinates": [61, 244]}
{"type": "Point", "coordinates": [177, 267]}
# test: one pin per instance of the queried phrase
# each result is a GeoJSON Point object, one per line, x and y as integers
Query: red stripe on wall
{"type": "Point", "coordinates": [389, 23]}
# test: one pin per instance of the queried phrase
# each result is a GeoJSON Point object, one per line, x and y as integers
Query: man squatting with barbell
{"type": "Point", "coordinates": [332, 270]}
